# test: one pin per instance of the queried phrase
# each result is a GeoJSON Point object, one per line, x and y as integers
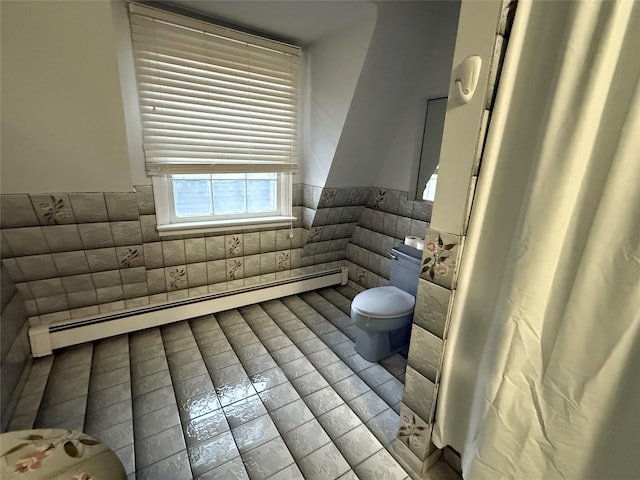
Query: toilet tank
{"type": "Point", "coordinates": [405, 268]}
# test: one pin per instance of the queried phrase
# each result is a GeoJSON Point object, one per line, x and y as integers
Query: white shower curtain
{"type": "Point", "coordinates": [541, 376]}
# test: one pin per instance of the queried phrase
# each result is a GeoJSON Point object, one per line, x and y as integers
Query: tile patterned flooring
{"type": "Point", "coordinates": [269, 391]}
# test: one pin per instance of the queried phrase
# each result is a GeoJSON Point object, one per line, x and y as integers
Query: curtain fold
{"type": "Point", "coordinates": [541, 366]}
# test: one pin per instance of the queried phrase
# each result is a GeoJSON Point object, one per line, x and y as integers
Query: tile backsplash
{"type": "Point", "coordinates": [387, 218]}
{"type": "Point", "coordinates": [73, 255]}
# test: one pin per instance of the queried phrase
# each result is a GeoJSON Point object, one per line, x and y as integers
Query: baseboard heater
{"type": "Point", "coordinates": [46, 338]}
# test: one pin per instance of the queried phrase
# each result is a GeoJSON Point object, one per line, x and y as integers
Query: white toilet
{"type": "Point", "coordinates": [383, 315]}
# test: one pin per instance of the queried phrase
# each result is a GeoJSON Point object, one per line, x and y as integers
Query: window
{"type": "Point", "coordinates": [219, 121]}
{"type": "Point", "coordinates": [429, 192]}
{"type": "Point", "coordinates": [224, 194]}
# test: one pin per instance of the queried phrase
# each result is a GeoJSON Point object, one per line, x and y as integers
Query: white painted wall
{"type": "Point", "coordinates": [409, 60]}
{"type": "Point", "coordinates": [69, 108]}
{"type": "Point", "coordinates": [333, 68]}
{"type": "Point", "coordinates": [397, 170]}
{"type": "Point", "coordinates": [63, 127]}
{"type": "Point", "coordinates": [477, 27]}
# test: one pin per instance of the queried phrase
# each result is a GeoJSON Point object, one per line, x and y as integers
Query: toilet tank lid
{"type": "Point", "coordinates": [383, 302]}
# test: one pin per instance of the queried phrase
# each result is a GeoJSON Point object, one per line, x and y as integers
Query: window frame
{"type": "Point", "coordinates": [168, 223]}
{"type": "Point", "coordinates": [163, 193]}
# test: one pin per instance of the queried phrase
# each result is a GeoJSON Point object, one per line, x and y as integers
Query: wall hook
{"type": "Point", "coordinates": [467, 79]}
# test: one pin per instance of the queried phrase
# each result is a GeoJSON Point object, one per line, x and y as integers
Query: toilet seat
{"type": "Point", "coordinates": [383, 302]}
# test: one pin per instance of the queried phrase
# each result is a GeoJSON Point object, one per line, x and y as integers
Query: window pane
{"type": "Point", "coordinates": [228, 176]}
{"type": "Point", "coordinates": [219, 195]}
{"type": "Point", "coordinates": [192, 195]}
{"type": "Point", "coordinates": [228, 197]}
{"type": "Point", "coordinates": [430, 189]}
{"type": "Point", "coordinates": [261, 196]}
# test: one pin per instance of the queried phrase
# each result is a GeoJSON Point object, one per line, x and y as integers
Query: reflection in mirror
{"type": "Point", "coordinates": [429, 192]}
{"type": "Point", "coordinates": [430, 152]}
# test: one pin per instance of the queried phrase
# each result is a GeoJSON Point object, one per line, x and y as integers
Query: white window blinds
{"type": "Point", "coordinates": [212, 99]}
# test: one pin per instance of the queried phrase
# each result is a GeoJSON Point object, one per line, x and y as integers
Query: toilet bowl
{"type": "Point", "coordinates": [383, 315]}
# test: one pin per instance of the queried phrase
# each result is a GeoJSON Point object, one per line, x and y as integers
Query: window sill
{"type": "Point", "coordinates": [186, 228]}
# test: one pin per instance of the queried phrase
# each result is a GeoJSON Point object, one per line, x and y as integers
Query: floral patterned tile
{"type": "Point", "coordinates": [53, 209]}
{"type": "Point", "coordinates": [327, 198]}
{"type": "Point", "coordinates": [440, 258]}
{"type": "Point", "coordinates": [358, 196]}
{"type": "Point", "coordinates": [234, 245]}
{"type": "Point", "coordinates": [414, 432]}
{"type": "Point", "coordinates": [176, 277]}
{"type": "Point", "coordinates": [130, 256]}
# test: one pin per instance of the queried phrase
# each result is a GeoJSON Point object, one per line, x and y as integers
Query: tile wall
{"type": "Point", "coordinates": [385, 222]}
{"type": "Point", "coordinates": [73, 255]}
{"type": "Point", "coordinates": [15, 355]}
{"type": "Point", "coordinates": [336, 214]}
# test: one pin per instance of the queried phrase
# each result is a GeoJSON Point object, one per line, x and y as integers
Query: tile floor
{"type": "Point", "coordinates": [269, 391]}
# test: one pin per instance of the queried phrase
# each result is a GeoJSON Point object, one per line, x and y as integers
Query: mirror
{"type": "Point", "coordinates": [425, 187]}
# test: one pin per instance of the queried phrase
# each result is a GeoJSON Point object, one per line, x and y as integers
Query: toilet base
{"type": "Point", "coordinates": [374, 346]}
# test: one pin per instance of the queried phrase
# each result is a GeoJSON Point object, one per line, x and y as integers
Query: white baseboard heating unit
{"type": "Point", "coordinates": [46, 338]}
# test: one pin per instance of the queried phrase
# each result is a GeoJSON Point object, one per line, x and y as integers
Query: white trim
{"type": "Point", "coordinates": [163, 197]}
{"type": "Point", "coordinates": [45, 338]}
{"type": "Point", "coordinates": [238, 224]}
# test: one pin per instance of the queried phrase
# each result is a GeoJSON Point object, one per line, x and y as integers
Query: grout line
{"type": "Point", "coordinates": [210, 373]}
{"type": "Point", "coordinates": [278, 312]}
{"type": "Point", "coordinates": [289, 380]}
{"type": "Point", "coordinates": [330, 385]}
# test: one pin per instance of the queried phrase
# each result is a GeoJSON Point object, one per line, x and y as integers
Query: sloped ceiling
{"type": "Point", "coordinates": [299, 22]}
{"type": "Point", "coordinates": [366, 116]}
